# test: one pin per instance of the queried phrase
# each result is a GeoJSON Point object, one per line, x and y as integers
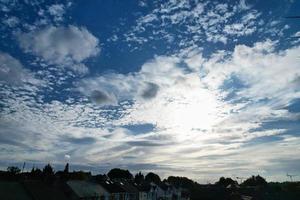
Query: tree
{"type": "Point", "coordinates": [36, 173]}
{"type": "Point", "coordinates": [13, 170]}
{"type": "Point", "coordinates": [139, 178]}
{"type": "Point", "coordinates": [180, 181]}
{"type": "Point", "coordinates": [225, 182]}
{"type": "Point", "coordinates": [48, 170]}
{"type": "Point", "coordinates": [48, 173]}
{"type": "Point", "coordinates": [66, 170]}
{"type": "Point", "coordinates": [79, 175]}
{"type": "Point", "coordinates": [118, 173]}
{"type": "Point", "coordinates": [151, 177]}
{"type": "Point", "coordinates": [255, 181]}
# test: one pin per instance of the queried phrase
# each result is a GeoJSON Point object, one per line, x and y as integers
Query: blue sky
{"type": "Point", "coordinates": [191, 88]}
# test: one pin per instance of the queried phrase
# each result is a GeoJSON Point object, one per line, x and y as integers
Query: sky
{"type": "Point", "coordinates": [192, 88]}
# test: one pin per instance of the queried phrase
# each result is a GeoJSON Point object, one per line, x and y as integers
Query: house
{"type": "Point", "coordinates": [131, 191]}
{"type": "Point", "coordinates": [184, 194]}
{"type": "Point", "coordinates": [115, 191]}
{"type": "Point", "coordinates": [166, 191]}
{"type": "Point", "coordinates": [39, 190]}
{"type": "Point", "coordinates": [148, 191]}
{"type": "Point", "coordinates": [144, 191]}
{"type": "Point", "coordinates": [85, 190]}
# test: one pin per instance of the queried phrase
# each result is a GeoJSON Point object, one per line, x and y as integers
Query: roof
{"type": "Point", "coordinates": [112, 187]}
{"type": "Point", "coordinates": [40, 190]}
{"type": "Point", "coordinates": [244, 197]}
{"type": "Point", "coordinates": [13, 191]}
{"type": "Point", "coordinates": [86, 189]}
{"type": "Point", "coordinates": [144, 187]}
{"type": "Point", "coordinates": [128, 187]}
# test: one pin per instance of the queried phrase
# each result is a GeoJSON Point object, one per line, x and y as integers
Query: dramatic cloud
{"type": "Point", "coordinates": [65, 46]}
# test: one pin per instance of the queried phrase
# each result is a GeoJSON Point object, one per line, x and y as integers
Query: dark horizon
{"type": "Point", "coordinates": [104, 170]}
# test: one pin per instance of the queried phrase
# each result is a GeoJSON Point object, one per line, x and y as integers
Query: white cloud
{"type": "Point", "coordinates": [65, 46]}
{"type": "Point", "coordinates": [13, 72]}
{"type": "Point", "coordinates": [67, 157]}
{"type": "Point", "coordinates": [265, 72]}
{"type": "Point", "coordinates": [191, 98]}
{"type": "Point", "coordinates": [190, 110]}
{"type": "Point", "coordinates": [218, 23]}
{"type": "Point", "coordinates": [57, 10]}
{"type": "Point", "coordinates": [11, 21]}
{"type": "Point", "coordinates": [297, 34]}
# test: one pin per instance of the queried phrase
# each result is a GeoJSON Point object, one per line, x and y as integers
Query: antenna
{"type": "Point", "coordinates": [23, 167]}
{"type": "Point", "coordinates": [290, 176]}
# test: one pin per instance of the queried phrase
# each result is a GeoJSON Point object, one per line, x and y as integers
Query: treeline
{"type": "Point", "coordinates": [255, 186]}
{"type": "Point", "coordinates": [48, 173]}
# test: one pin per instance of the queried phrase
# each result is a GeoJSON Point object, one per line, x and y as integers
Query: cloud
{"type": "Point", "coordinates": [80, 141]}
{"type": "Point", "coordinates": [13, 72]}
{"type": "Point", "coordinates": [11, 21]}
{"type": "Point", "coordinates": [205, 110]}
{"type": "Point", "coordinates": [265, 72]}
{"type": "Point", "coordinates": [64, 46]}
{"type": "Point", "coordinates": [189, 116]}
{"type": "Point", "coordinates": [150, 91]}
{"type": "Point", "coordinates": [195, 23]}
{"type": "Point", "coordinates": [143, 85]}
{"type": "Point", "coordinates": [57, 10]}
{"type": "Point", "coordinates": [103, 98]}
{"type": "Point", "coordinates": [145, 143]}
{"type": "Point", "coordinates": [67, 157]}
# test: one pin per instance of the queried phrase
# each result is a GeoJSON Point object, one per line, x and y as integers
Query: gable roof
{"type": "Point", "coordinates": [40, 190]}
{"type": "Point", "coordinates": [112, 187]}
{"type": "Point", "coordinates": [128, 187]}
{"type": "Point", "coordinates": [86, 189]}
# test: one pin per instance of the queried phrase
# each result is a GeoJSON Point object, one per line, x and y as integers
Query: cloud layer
{"type": "Point", "coordinates": [188, 88]}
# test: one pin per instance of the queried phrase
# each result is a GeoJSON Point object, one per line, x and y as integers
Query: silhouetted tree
{"type": "Point", "coordinates": [118, 173]}
{"type": "Point", "coordinates": [151, 177]}
{"type": "Point", "coordinates": [66, 170]}
{"type": "Point", "coordinates": [180, 181]}
{"type": "Point", "coordinates": [139, 178]}
{"type": "Point", "coordinates": [13, 170]}
{"type": "Point", "coordinates": [79, 175]}
{"type": "Point", "coordinates": [225, 182]}
{"type": "Point", "coordinates": [255, 181]}
{"type": "Point", "coordinates": [100, 177]}
{"type": "Point", "coordinates": [36, 173]}
{"type": "Point", "coordinates": [48, 170]}
{"type": "Point", "coordinates": [48, 173]}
